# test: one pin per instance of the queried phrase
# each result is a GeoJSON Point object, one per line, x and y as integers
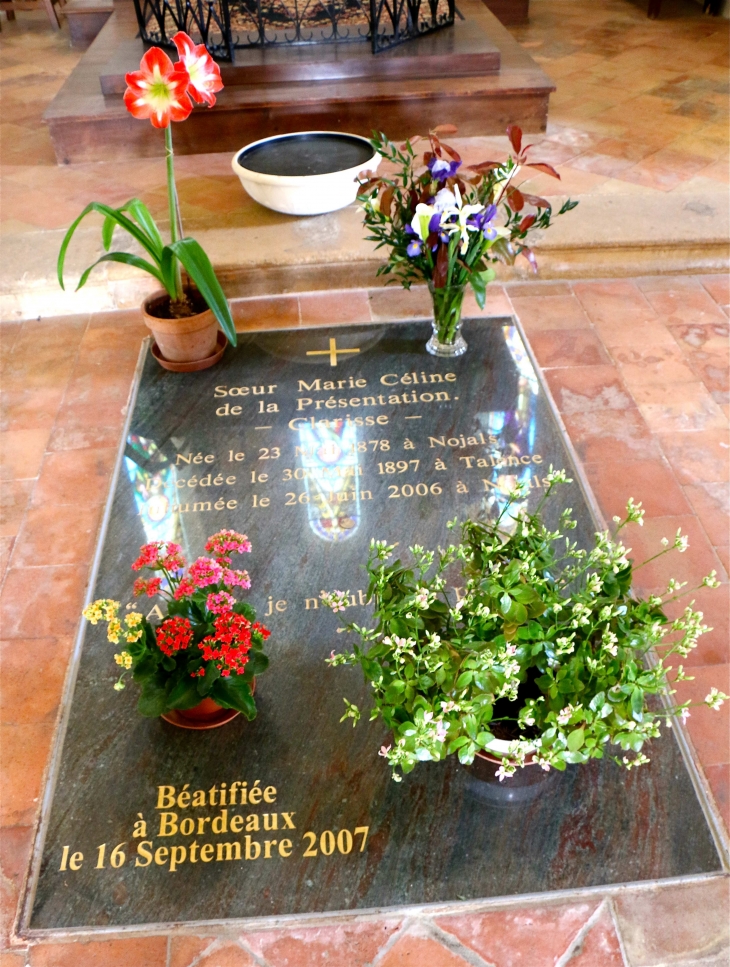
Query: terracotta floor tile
{"type": "Point", "coordinates": [13, 958]}
{"type": "Point", "coordinates": [611, 436]}
{"type": "Point", "coordinates": [495, 304]}
{"type": "Point", "coordinates": [674, 923]}
{"type": "Point", "coordinates": [712, 369]}
{"type": "Point", "coordinates": [137, 952]}
{"type": "Point", "coordinates": [713, 648]}
{"type": "Point", "coordinates": [75, 477]}
{"type": "Point", "coordinates": [649, 481]}
{"type": "Point", "coordinates": [528, 937]}
{"type": "Point", "coordinates": [537, 287]}
{"type": "Point", "coordinates": [718, 287]}
{"type": "Point", "coordinates": [53, 536]}
{"type": "Point", "coordinates": [226, 955]}
{"type": "Point", "coordinates": [42, 602]}
{"type": "Point", "coordinates": [353, 945]}
{"type": "Point", "coordinates": [14, 499]}
{"type": "Point", "coordinates": [702, 457]}
{"type": "Point", "coordinates": [6, 549]}
{"type": "Point", "coordinates": [684, 305]}
{"type": "Point", "coordinates": [96, 383]}
{"type": "Point", "coordinates": [667, 283]}
{"type": "Point", "coordinates": [18, 705]}
{"type": "Point", "coordinates": [15, 846]}
{"type": "Point", "coordinates": [678, 407]}
{"type": "Point", "coordinates": [25, 752]}
{"type": "Point", "coordinates": [82, 426]}
{"type": "Point", "coordinates": [184, 951]}
{"type": "Point", "coordinates": [691, 566]}
{"type": "Point", "coordinates": [614, 302]}
{"type": "Point", "coordinates": [329, 308]}
{"type": "Point", "coordinates": [702, 342]}
{"type": "Point", "coordinates": [21, 453]}
{"type": "Point", "coordinates": [644, 365]}
{"type": "Point", "coordinates": [600, 947]}
{"type": "Point", "coordinates": [557, 348]}
{"type": "Point", "coordinates": [9, 332]}
{"type": "Point", "coordinates": [549, 312]}
{"type": "Point", "coordinates": [416, 951]}
{"type": "Point", "coordinates": [270, 312]}
{"type": "Point", "coordinates": [394, 302]}
{"type": "Point", "coordinates": [723, 552]}
{"type": "Point", "coordinates": [719, 780]}
{"type": "Point", "coordinates": [711, 503]}
{"type": "Point", "coordinates": [708, 728]}
{"type": "Point", "coordinates": [117, 318]}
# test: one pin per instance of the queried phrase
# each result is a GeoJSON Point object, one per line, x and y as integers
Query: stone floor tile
{"type": "Point", "coordinates": [269, 312]}
{"type": "Point", "coordinates": [343, 946]}
{"type": "Point", "coordinates": [75, 477]}
{"type": "Point", "coordinates": [555, 348]}
{"type": "Point", "coordinates": [20, 705]}
{"type": "Point", "coordinates": [600, 947]}
{"type": "Point", "coordinates": [25, 752]}
{"type": "Point", "coordinates": [691, 566]}
{"type": "Point", "coordinates": [708, 728]}
{"type": "Point", "coordinates": [678, 407]}
{"type": "Point", "coordinates": [718, 777]}
{"type": "Point", "coordinates": [674, 923]}
{"type": "Point", "coordinates": [702, 457]}
{"type": "Point", "coordinates": [649, 481]}
{"type": "Point", "coordinates": [330, 308]}
{"type": "Point", "coordinates": [417, 951]}
{"type": "Point", "coordinates": [528, 937]}
{"type": "Point", "coordinates": [228, 955]}
{"type": "Point", "coordinates": [42, 602]}
{"type": "Point", "coordinates": [49, 537]}
{"type": "Point", "coordinates": [392, 303]}
{"type": "Point", "coordinates": [537, 313]}
{"type": "Point", "coordinates": [21, 453]}
{"type": "Point", "coordinates": [136, 952]}
{"type": "Point", "coordinates": [718, 287]}
{"type": "Point", "coordinates": [14, 498]}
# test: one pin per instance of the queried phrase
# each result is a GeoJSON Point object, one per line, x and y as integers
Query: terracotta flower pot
{"type": "Point", "coordinates": [191, 339]}
{"type": "Point", "coordinates": [205, 715]}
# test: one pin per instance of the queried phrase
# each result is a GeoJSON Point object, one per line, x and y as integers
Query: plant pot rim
{"type": "Point", "coordinates": [194, 366]}
{"type": "Point", "coordinates": [498, 760]}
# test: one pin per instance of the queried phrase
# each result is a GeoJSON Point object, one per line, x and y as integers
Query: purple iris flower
{"type": "Point", "coordinates": [434, 222]}
{"type": "Point", "coordinates": [442, 169]}
{"type": "Point", "coordinates": [414, 248]}
{"type": "Point", "coordinates": [481, 222]}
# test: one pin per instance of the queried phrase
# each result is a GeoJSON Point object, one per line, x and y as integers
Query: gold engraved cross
{"type": "Point", "coordinates": [331, 352]}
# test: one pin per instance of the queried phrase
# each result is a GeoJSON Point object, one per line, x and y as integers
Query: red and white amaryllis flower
{"type": "Point", "coordinates": [204, 73]}
{"type": "Point", "coordinates": [158, 90]}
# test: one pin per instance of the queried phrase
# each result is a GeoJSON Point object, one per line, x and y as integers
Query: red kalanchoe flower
{"type": "Point", "coordinates": [160, 554]}
{"type": "Point", "coordinates": [174, 634]}
{"type": "Point", "coordinates": [158, 90]}
{"type": "Point", "coordinates": [204, 73]}
{"type": "Point", "coordinates": [264, 632]}
{"type": "Point", "coordinates": [185, 588]}
{"type": "Point", "coordinates": [225, 541]}
{"type": "Point", "coordinates": [148, 586]}
{"type": "Point", "coordinates": [228, 648]}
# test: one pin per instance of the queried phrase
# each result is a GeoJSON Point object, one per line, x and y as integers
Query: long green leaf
{"type": "Point", "coordinates": [107, 232]}
{"type": "Point", "coordinates": [127, 259]}
{"type": "Point", "coordinates": [141, 214]}
{"type": "Point", "coordinates": [167, 268]}
{"type": "Point", "coordinates": [126, 223]}
{"type": "Point", "coordinates": [197, 264]}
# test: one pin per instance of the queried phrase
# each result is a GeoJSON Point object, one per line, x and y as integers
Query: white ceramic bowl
{"type": "Point", "coordinates": [309, 194]}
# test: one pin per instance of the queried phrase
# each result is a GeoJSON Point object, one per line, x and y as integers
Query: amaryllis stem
{"type": "Point", "coordinates": [174, 205]}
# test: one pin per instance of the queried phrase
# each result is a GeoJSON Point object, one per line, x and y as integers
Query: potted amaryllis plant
{"type": "Point", "coordinates": [184, 316]}
{"type": "Point", "coordinates": [197, 668]}
{"type": "Point", "coordinates": [547, 659]}
{"type": "Point", "coordinates": [444, 222]}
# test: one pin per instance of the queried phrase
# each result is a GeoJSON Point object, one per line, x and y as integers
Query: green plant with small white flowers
{"type": "Point", "coordinates": [547, 656]}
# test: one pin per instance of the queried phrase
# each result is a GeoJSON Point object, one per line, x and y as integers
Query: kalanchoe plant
{"type": "Point", "coordinates": [444, 222]}
{"type": "Point", "coordinates": [547, 657]}
{"type": "Point", "coordinates": [162, 92]}
{"type": "Point", "coordinates": [208, 645]}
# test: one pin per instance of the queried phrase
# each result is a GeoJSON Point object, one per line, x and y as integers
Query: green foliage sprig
{"type": "Point", "coordinates": [536, 609]}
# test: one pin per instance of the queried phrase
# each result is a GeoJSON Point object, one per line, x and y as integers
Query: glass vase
{"type": "Point", "coordinates": [446, 339]}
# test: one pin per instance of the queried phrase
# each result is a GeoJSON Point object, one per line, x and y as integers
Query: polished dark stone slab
{"type": "Point", "coordinates": [439, 835]}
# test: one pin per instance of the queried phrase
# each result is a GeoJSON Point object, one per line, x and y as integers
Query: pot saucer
{"type": "Point", "coordinates": [222, 718]}
{"type": "Point", "coordinates": [195, 365]}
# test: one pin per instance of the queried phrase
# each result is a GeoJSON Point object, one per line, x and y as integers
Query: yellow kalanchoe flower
{"type": "Point", "coordinates": [124, 659]}
{"type": "Point", "coordinates": [114, 631]}
{"type": "Point", "coordinates": [103, 609]}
